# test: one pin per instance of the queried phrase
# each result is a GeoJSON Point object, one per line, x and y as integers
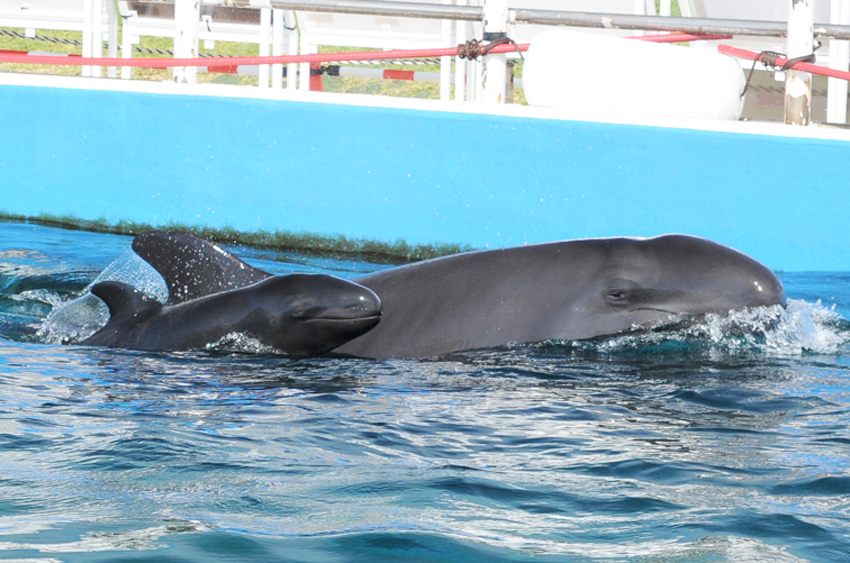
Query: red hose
{"type": "Point", "coordinates": [215, 62]}
{"type": "Point", "coordinates": [212, 62]}
{"type": "Point", "coordinates": [808, 67]}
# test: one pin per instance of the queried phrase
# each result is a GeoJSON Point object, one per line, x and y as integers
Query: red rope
{"type": "Point", "coordinates": [212, 62]}
{"type": "Point", "coordinates": [216, 62]}
{"type": "Point", "coordinates": [808, 67]}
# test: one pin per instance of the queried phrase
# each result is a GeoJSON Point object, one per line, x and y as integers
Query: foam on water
{"type": "Point", "coordinates": [799, 328]}
{"type": "Point", "coordinates": [240, 343]}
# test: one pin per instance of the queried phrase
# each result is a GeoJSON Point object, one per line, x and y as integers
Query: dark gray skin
{"type": "Point", "coordinates": [564, 290]}
{"type": "Point", "coordinates": [299, 315]}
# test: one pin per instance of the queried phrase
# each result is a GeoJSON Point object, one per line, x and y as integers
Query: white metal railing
{"type": "Point", "coordinates": [496, 15]}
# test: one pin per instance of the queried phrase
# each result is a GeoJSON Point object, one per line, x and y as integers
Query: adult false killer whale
{"type": "Point", "coordinates": [567, 290]}
{"type": "Point", "coordinates": [298, 315]}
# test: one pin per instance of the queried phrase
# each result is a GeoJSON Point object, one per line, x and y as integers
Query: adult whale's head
{"type": "Point", "coordinates": [567, 290]}
{"type": "Point", "coordinates": [297, 314]}
{"type": "Point", "coordinates": [643, 280]}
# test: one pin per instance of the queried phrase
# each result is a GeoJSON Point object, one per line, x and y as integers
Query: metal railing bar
{"type": "Point", "coordinates": [544, 17]}
{"type": "Point", "coordinates": [667, 23]}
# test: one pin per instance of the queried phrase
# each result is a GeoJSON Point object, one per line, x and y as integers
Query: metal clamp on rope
{"type": "Point", "coordinates": [771, 59]}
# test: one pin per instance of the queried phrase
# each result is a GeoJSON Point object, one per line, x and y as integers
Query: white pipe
{"type": "Point", "coordinates": [839, 59]}
{"type": "Point", "coordinates": [265, 25]}
{"type": "Point", "coordinates": [494, 67]}
{"type": "Point", "coordinates": [87, 34]}
{"type": "Point", "coordinates": [291, 69]}
{"type": "Point", "coordinates": [127, 47]}
{"type": "Point", "coordinates": [304, 68]}
{"type": "Point", "coordinates": [446, 62]}
{"type": "Point", "coordinates": [798, 84]}
{"type": "Point", "coordinates": [460, 64]}
{"type": "Point", "coordinates": [97, 35]}
{"type": "Point", "coordinates": [112, 22]}
{"type": "Point", "coordinates": [473, 69]}
{"type": "Point", "coordinates": [277, 47]}
{"type": "Point", "coordinates": [187, 14]}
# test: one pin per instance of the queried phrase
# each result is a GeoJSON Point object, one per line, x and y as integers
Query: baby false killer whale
{"type": "Point", "coordinates": [298, 315]}
{"type": "Point", "coordinates": [568, 290]}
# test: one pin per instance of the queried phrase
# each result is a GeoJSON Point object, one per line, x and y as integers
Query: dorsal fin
{"type": "Point", "coordinates": [123, 300]}
{"type": "Point", "coordinates": [193, 267]}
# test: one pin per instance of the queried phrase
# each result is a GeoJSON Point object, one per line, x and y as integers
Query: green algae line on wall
{"type": "Point", "coordinates": [398, 252]}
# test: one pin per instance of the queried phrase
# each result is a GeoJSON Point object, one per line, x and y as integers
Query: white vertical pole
{"type": "Point", "coordinates": [265, 24]}
{"type": "Point", "coordinates": [187, 14]}
{"type": "Point", "coordinates": [460, 64]}
{"type": "Point", "coordinates": [291, 69]}
{"type": "Point", "coordinates": [473, 68]}
{"type": "Point", "coordinates": [277, 48]}
{"type": "Point", "coordinates": [112, 21]}
{"type": "Point", "coordinates": [798, 84]}
{"type": "Point", "coordinates": [839, 59]}
{"type": "Point", "coordinates": [97, 35]}
{"type": "Point", "coordinates": [304, 69]}
{"type": "Point", "coordinates": [446, 62]}
{"type": "Point", "coordinates": [126, 50]}
{"type": "Point", "coordinates": [87, 34]}
{"type": "Point", "coordinates": [665, 8]}
{"type": "Point", "coordinates": [473, 81]}
{"type": "Point", "coordinates": [494, 67]}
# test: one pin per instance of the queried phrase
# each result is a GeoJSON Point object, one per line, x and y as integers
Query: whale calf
{"type": "Point", "coordinates": [297, 314]}
{"type": "Point", "coordinates": [568, 290]}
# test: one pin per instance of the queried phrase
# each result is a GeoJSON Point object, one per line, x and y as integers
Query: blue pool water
{"type": "Point", "coordinates": [704, 445]}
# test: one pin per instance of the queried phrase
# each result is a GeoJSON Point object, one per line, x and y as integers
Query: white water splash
{"type": "Point", "coordinates": [75, 320]}
{"type": "Point", "coordinates": [799, 328]}
{"type": "Point", "coordinates": [237, 342]}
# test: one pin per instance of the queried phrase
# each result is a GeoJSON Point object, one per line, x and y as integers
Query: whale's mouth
{"type": "Point", "coordinates": [659, 310]}
{"type": "Point", "coordinates": [343, 319]}
{"type": "Point", "coordinates": [336, 313]}
{"type": "Point", "coordinates": [366, 308]}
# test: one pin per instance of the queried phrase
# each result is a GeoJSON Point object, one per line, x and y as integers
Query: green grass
{"type": "Point", "coordinates": [337, 246]}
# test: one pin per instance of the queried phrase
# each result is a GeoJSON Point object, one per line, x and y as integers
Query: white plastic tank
{"type": "Point", "coordinates": [584, 71]}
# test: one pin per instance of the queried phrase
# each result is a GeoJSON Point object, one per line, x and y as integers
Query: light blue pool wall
{"type": "Point", "coordinates": [421, 176]}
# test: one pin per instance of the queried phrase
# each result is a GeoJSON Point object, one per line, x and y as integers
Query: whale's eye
{"type": "Point", "coordinates": [617, 296]}
{"type": "Point", "coordinates": [619, 292]}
